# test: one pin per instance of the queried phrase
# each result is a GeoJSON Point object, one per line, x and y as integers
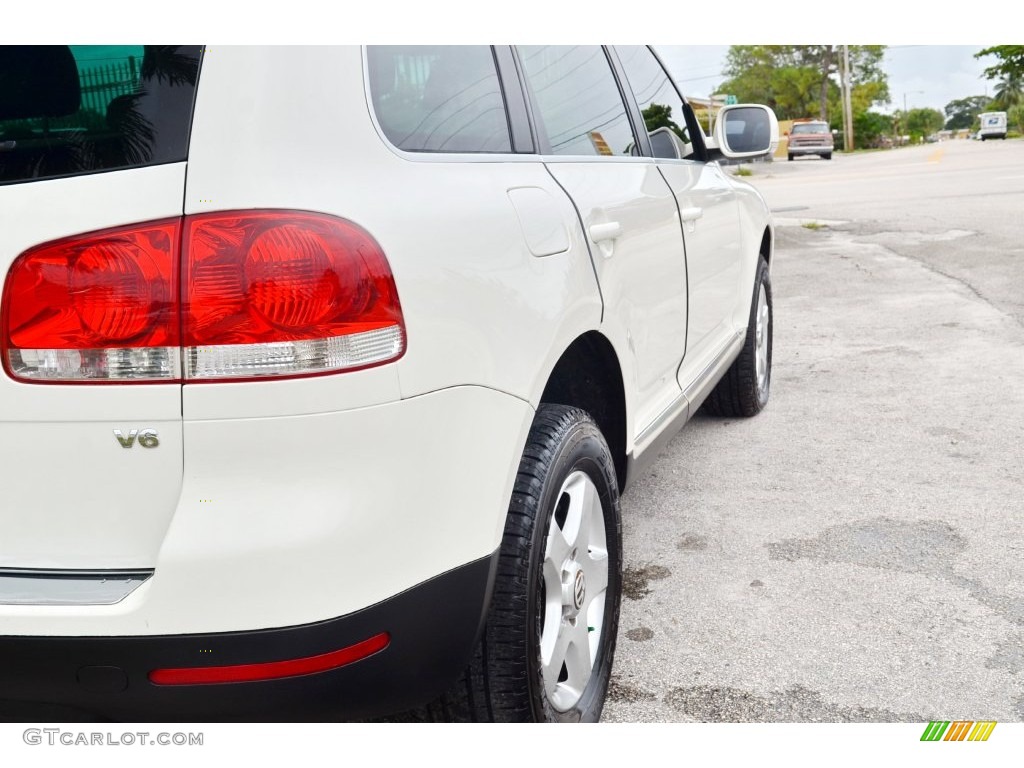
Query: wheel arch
{"type": "Point", "coordinates": [588, 376]}
{"type": "Point", "coordinates": [767, 245]}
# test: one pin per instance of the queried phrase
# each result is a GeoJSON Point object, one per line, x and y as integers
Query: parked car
{"type": "Point", "coordinates": [810, 137]}
{"type": "Point", "coordinates": [324, 368]}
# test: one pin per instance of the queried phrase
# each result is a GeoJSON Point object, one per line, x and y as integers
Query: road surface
{"type": "Point", "coordinates": [856, 552]}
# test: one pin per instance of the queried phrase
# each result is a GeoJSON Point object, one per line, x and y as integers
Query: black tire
{"type": "Point", "coordinates": [827, 156]}
{"type": "Point", "coordinates": [790, 158]}
{"type": "Point", "coordinates": [740, 392]}
{"type": "Point", "coordinates": [504, 682]}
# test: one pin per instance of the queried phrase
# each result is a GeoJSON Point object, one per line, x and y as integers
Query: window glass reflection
{"type": "Point", "coordinates": [578, 99]}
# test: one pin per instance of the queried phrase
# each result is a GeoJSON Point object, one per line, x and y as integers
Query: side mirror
{"type": "Point", "coordinates": [746, 130]}
{"type": "Point", "coordinates": [665, 143]}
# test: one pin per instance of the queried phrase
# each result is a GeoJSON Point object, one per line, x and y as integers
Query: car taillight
{"type": "Point", "coordinates": [262, 294]}
{"type": "Point", "coordinates": [101, 307]}
{"type": "Point", "coordinates": [270, 293]}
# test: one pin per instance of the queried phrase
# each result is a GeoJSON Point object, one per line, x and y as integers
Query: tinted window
{"type": "Point", "coordinates": [68, 110]}
{"type": "Point", "coordinates": [658, 99]}
{"type": "Point", "coordinates": [578, 99]}
{"type": "Point", "coordinates": [438, 98]}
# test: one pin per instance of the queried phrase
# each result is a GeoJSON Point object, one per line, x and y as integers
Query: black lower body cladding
{"type": "Point", "coordinates": [432, 631]}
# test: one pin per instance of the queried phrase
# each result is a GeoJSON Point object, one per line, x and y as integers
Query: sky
{"type": "Point", "coordinates": [929, 58]}
{"type": "Point", "coordinates": [927, 75]}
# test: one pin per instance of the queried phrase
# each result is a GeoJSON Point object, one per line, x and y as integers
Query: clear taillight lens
{"type": "Point", "coordinates": [263, 294]}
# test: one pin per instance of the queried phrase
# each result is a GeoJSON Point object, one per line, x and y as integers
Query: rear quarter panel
{"type": "Point", "coordinates": [479, 308]}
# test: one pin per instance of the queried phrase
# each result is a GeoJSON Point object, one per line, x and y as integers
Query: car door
{"type": "Point", "coordinates": [627, 211]}
{"type": "Point", "coordinates": [708, 211]}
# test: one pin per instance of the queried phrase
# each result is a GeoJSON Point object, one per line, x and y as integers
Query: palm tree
{"type": "Point", "coordinates": [1010, 90]}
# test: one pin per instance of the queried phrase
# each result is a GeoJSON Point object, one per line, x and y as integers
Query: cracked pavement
{"type": "Point", "coordinates": [854, 552]}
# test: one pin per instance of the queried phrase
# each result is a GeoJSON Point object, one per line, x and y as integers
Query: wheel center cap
{"type": "Point", "coordinates": [579, 590]}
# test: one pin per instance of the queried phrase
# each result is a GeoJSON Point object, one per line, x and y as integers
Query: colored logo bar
{"type": "Point", "coordinates": [958, 730]}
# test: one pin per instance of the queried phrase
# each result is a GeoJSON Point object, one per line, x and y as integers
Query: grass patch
{"type": "Point", "coordinates": [813, 225]}
{"type": "Point", "coordinates": [741, 171]}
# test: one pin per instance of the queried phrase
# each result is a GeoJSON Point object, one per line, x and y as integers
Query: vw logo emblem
{"type": "Point", "coordinates": [579, 590]}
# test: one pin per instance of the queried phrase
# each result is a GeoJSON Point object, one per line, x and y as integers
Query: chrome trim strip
{"type": "Point", "coordinates": [657, 434]}
{"type": "Point", "coordinates": [678, 407]}
{"type": "Point", "coordinates": [35, 586]}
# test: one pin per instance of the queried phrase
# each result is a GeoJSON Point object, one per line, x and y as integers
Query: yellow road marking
{"type": "Point", "coordinates": [936, 156]}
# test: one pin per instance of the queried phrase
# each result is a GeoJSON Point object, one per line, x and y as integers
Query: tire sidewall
{"type": "Point", "coordinates": [763, 279]}
{"type": "Point", "coordinates": [583, 449]}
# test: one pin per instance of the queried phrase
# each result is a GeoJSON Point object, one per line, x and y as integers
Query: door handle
{"type": "Point", "coordinates": [601, 232]}
{"type": "Point", "coordinates": [604, 236]}
{"type": "Point", "coordinates": [689, 216]}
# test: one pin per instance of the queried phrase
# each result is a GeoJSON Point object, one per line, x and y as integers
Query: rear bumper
{"type": "Point", "coordinates": [432, 629]}
{"type": "Point", "coordinates": [291, 520]}
{"type": "Point", "coordinates": [820, 150]}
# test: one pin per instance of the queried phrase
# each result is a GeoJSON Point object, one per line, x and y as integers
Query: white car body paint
{"type": "Point", "coordinates": [275, 503]}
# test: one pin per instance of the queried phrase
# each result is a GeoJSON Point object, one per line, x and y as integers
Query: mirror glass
{"type": "Point", "coordinates": [747, 129]}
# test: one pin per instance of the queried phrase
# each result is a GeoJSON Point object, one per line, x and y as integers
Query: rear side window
{"type": "Point", "coordinates": [438, 98]}
{"type": "Point", "coordinates": [67, 110]}
{"type": "Point", "coordinates": [578, 100]}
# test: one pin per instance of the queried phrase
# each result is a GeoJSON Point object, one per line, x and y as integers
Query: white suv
{"type": "Point", "coordinates": [324, 368]}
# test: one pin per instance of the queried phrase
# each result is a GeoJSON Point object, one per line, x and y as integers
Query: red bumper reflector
{"type": "Point", "coordinates": [271, 670]}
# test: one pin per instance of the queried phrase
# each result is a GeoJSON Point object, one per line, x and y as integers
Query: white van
{"type": "Point", "coordinates": [993, 125]}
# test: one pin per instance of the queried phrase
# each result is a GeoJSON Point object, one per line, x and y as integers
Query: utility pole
{"type": "Point", "coordinates": [847, 106]}
{"type": "Point", "coordinates": [903, 120]}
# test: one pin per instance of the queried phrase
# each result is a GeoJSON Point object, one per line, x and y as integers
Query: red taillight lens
{"type": "Point", "coordinates": [110, 293]}
{"type": "Point", "coordinates": [264, 293]}
{"type": "Point", "coordinates": [293, 283]}
{"type": "Point", "coordinates": [98, 307]}
{"type": "Point", "coordinates": [272, 293]}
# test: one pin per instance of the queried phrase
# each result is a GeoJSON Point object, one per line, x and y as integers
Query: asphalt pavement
{"type": "Point", "coordinates": [854, 552]}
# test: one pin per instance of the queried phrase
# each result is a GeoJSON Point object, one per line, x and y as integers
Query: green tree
{"type": "Point", "coordinates": [1011, 61]}
{"type": "Point", "coordinates": [659, 116]}
{"type": "Point", "coordinates": [1015, 117]}
{"type": "Point", "coordinates": [960, 113]}
{"type": "Point", "coordinates": [866, 75]}
{"type": "Point", "coordinates": [862, 98]}
{"type": "Point", "coordinates": [766, 74]}
{"type": "Point", "coordinates": [869, 128]}
{"type": "Point", "coordinates": [1010, 70]}
{"type": "Point", "coordinates": [1010, 91]}
{"type": "Point", "coordinates": [924, 122]}
{"type": "Point", "coordinates": [801, 80]}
